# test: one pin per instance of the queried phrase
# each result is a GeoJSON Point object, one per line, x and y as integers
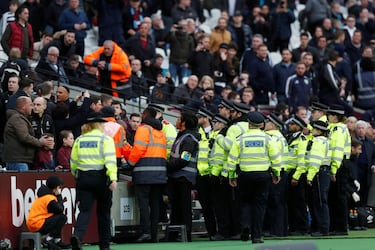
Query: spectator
{"type": "Point", "coordinates": [66, 45]}
{"type": "Point", "coordinates": [355, 47]}
{"type": "Point", "coordinates": [50, 68]}
{"type": "Point", "coordinates": [163, 89]}
{"type": "Point", "coordinates": [183, 10]}
{"type": "Point", "coordinates": [318, 32]}
{"type": "Point", "coordinates": [89, 78]}
{"type": "Point", "coordinates": [137, 82]}
{"type": "Point", "coordinates": [366, 24]}
{"type": "Point", "coordinates": [133, 124]}
{"type": "Point", "coordinates": [233, 6]}
{"type": "Point", "coordinates": [74, 70]}
{"type": "Point", "coordinates": [365, 162]}
{"type": "Point", "coordinates": [219, 35]}
{"type": "Point", "coordinates": [36, 17]}
{"type": "Point", "coordinates": [96, 104]}
{"type": "Point", "coordinates": [349, 28]}
{"type": "Point", "coordinates": [46, 214]}
{"type": "Point", "coordinates": [8, 16]}
{"type": "Point", "coordinates": [20, 143]}
{"type": "Point", "coordinates": [304, 47]}
{"type": "Point", "coordinates": [75, 19]}
{"type": "Point", "coordinates": [180, 46]}
{"type": "Point", "coordinates": [113, 65]}
{"type": "Point", "coordinates": [250, 53]}
{"type": "Point", "coordinates": [187, 92]}
{"type": "Point", "coordinates": [241, 33]}
{"type": "Point", "coordinates": [337, 14]}
{"type": "Point", "coordinates": [132, 18]}
{"type": "Point", "coordinates": [259, 24]}
{"type": "Point", "coordinates": [45, 90]}
{"type": "Point", "coordinates": [53, 14]}
{"type": "Point", "coordinates": [19, 34]}
{"type": "Point", "coordinates": [154, 69]}
{"type": "Point", "coordinates": [158, 31]}
{"type": "Point", "coordinates": [199, 55]}
{"type": "Point", "coordinates": [328, 29]}
{"type": "Point", "coordinates": [63, 153]}
{"type": "Point", "coordinates": [281, 72]}
{"type": "Point", "coordinates": [141, 46]}
{"type": "Point", "coordinates": [223, 68]}
{"type": "Point", "coordinates": [110, 21]}
{"type": "Point", "coordinates": [322, 50]}
{"type": "Point", "coordinates": [281, 19]}
{"type": "Point", "coordinates": [311, 73]}
{"type": "Point", "coordinates": [316, 11]}
{"type": "Point", "coordinates": [26, 88]}
{"type": "Point", "coordinates": [38, 46]}
{"type": "Point", "coordinates": [247, 97]}
{"type": "Point", "coordinates": [261, 77]}
{"type": "Point", "coordinates": [63, 121]}
{"type": "Point", "coordinates": [44, 157]}
{"type": "Point", "coordinates": [240, 82]}
{"type": "Point", "coordinates": [365, 82]}
{"type": "Point", "coordinates": [14, 65]}
{"type": "Point", "coordinates": [298, 88]}
{"type": "Point", "coordinates": [41, 121]}
{"type": "Point", "coordinates": [106, 100]}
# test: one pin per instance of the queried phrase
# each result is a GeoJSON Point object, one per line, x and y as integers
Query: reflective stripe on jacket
{"type": "Point", "coordinates": [94, 151]}
{"type": "Point", "coordinates": [190, 171]}
{"type": "Point", "coordinates": [148, 156]}
{"type": "Point", "coordinates": [340, 144]}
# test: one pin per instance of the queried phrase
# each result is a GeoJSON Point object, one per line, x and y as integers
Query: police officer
{"type": "Point", "coordinates": [340, 145]}
{"type": "Point", "coordinates": [318, 178]}
{"type": "Point", "coordinates": [218, 183]}
{"type": "Point", "coordinates": [297, 203]}
{"type": "Point", "coordinates": [182, 171]}
{"type": "Point", "coordinates": [277, 211]}
{"type": "Point", "coordinates": [255, 153]}
{"type": "Point", "coordinates": [204, 187]}
{"type": "Point", "coordinates": [93, 164]}
{"type": "Point", "coordinates": [238, 126]}
{"type": "Point", "coordinates": [148, 157]}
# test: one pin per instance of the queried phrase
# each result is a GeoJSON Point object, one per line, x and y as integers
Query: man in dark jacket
{"type": "Point", "coordinates": [182, 171]}
{"type": "Point", "coordinates": [65, 44]}
{"type": "Point", "coordinates": [199, 55]}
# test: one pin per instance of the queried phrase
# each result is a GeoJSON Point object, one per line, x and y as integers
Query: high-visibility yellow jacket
{"type": "Point", "coordinates": [340, 144]}
{"type": "Point", "coordinates": [94, 151]}
{"type": "Point", "coordinates": [297, 151]}
{"type": "Point", "coordinates": [254, 151]}
{"type": "Point", "coordinates": [280, 140]}
{"type": "Point", "coordinates": [317, 154]}
{"type": "Point", "coordinates": [216, 158]}
{"type": "Point", "coordinates": [170, 132]}
{"type": "Point", "coordinates": [202, 164]}
{"type": "Point", "coordinates": [226, 142]}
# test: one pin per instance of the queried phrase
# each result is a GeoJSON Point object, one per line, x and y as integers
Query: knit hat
{"type": "Point", "coordinates": [54, 181]}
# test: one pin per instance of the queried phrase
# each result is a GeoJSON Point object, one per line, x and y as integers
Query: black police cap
{"type": "Point", "coordinates": [336, 110]}
{"type": "Point", "coordinates": [241, 107]}
{"type": "Point", "coordinates": [255, 118]}
{"type": "Point", "coordinates": [274, 119]}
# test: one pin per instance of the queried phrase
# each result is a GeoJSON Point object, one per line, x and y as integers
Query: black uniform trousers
{"type": "Point", "coordinates": [318, 201]}
{"type": "Point", "coordinates": [181, 209]}
{"type": "Point", "coordinates": [148, 196]}
{"type": "Point", "coordinates": [338, 201]}
{"type": "Point", "coordinates": [91, 186]}
{"type": "Point", "coordinates": [227, 207]}
{"type": "Point", "coordinates": [254, 189]}
{"type": "Point", "coordinates": [276, 219]}
{"type": "Point", "coordinates": [206, 199]}
{"type": "Point", "coordinates": [53, 225]}
{"type": "Point", "coordinates": [297, 205]}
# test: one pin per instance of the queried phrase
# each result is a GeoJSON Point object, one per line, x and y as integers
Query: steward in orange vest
{"type": "Point", "coordinates": [118, 133]}
{"type": "Point", "coordinates": [113, 66]}
{"type": "Point", "coordinates": [148, 157]}
{"type": "Point", "coordinates": [47, 213]}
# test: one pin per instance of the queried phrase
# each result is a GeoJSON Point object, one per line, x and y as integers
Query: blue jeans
{"type": "Point", "coordinates": [21, 166]}
{"type": "Point", "coordinates": [179, 71]}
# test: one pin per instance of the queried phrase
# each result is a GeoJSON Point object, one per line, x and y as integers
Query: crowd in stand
{"type": "Point", "coordinates": [45, 43]}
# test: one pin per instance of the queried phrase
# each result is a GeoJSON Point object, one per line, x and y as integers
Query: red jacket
{"type": "Point", "coordinates": [16, 40]}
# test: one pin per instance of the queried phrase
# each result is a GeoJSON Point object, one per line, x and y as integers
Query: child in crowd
{"type": "Point", "coordinates": [44, 156]}
{"type": "Point", "coordinates": [63, 154]}
{"type": "Point", "coordinates": [47, 213]}
{"type": "Point", "coordinates": [8, 16]}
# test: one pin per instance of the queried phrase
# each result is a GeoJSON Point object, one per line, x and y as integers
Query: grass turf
{"type": "Point", "coordinates": [356, 240]}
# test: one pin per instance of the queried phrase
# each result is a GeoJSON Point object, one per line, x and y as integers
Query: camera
{"type": "Point", "coordinates": [179, 27]}
{"type": "Point", "coordinates": [282, 4]}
